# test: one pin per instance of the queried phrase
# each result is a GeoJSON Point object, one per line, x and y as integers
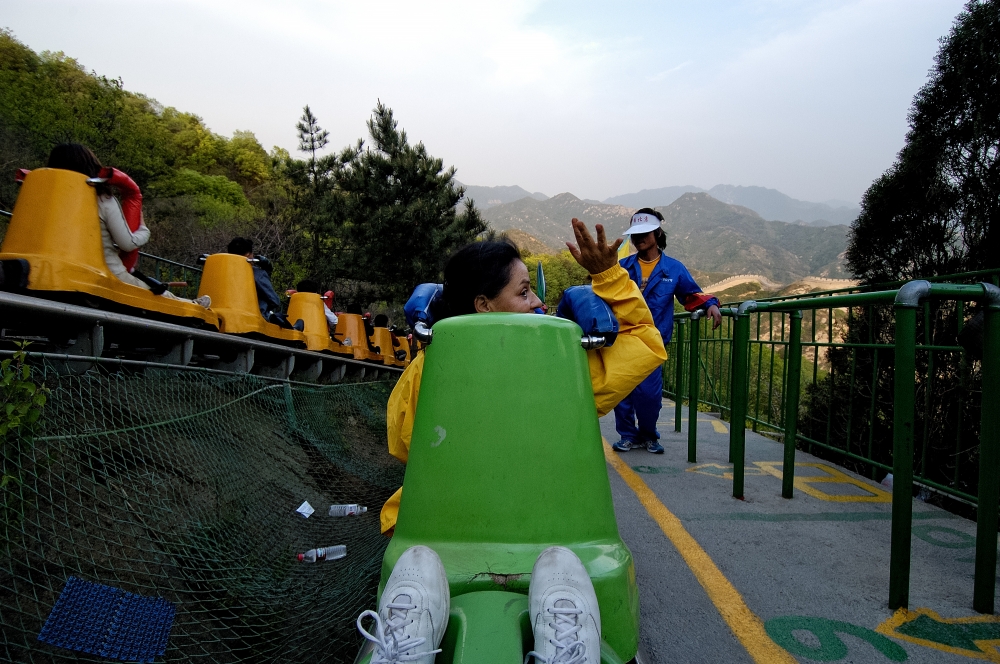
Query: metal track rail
{"type": "Point", "coordinates": [17, 309]}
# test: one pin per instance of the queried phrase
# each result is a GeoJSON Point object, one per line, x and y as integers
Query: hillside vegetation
{"type": "Point", "coordinates": [709, 236]}
{"type": "Point", "coordinates": [370, 220]}
{"type": "Point", "coordinates": [715, 236]}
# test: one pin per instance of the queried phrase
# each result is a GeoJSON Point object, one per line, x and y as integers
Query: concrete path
{"type": "Point", "coordinates": [772, 580]}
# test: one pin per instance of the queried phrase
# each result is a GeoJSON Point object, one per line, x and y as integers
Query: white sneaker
{"type": "Point", "coordinates": [203, 300]}
{"type": "Point", "coordinates": [565, 617]}
{"type": "Point", "coordinates": [413, 613]}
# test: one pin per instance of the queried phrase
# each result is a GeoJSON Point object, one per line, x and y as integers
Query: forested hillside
{"type": "Point", "coordinates": [713, 236]}
{"type": "Point", "coordinates": [370, 220]}
{"type": "Point", "coordinates": [706, 234]}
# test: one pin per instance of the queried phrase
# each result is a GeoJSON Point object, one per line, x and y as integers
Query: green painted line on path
{"type": "Point", "coordinates": [831, 648]}
{"type": "Point", "coordinates": [954, 635]}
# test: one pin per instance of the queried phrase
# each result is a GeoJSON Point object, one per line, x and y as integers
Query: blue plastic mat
{"type": "Point", "coordinates": [109, 622]}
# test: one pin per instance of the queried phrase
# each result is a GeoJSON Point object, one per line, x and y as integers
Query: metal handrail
{"type": "Point", "coordinates": [907, 301]}
{"type": "Point", "coordinates": [160, 259]}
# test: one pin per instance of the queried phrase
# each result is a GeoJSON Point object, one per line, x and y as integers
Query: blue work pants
{"type": "Point", "coordinates": [642, 405]}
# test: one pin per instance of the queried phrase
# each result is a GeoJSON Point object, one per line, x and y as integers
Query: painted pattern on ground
{"type": "Point", "coordinates": [809, 477]}
{"type": "Point", "coordinates": [915, 634]}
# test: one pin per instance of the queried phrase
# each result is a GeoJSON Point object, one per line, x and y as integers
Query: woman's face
{"type": "Point", "coordinates": [645, 241]}
{"type": "Point", "coordinates": [516, 297]}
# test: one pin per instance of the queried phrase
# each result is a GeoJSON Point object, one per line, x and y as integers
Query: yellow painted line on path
{"type": "Point", "coordinates": [744, 623]}
{"type": "Point", "coordinates": [810, 484]}
{"type": "Point", "coordinates": [719, 426]}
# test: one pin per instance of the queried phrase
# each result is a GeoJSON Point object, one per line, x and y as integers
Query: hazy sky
{"type": "Point", "coordinates": [596, 98]}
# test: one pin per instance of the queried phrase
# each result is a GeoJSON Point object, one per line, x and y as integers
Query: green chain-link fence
{"type": "Point", "coordinates": [184, 485]}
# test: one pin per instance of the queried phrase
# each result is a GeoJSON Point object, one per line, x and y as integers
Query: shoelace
{"type": "Point", "coordinates": [391, 644]}
{"type": "Point", "coordinates": [569, 650]}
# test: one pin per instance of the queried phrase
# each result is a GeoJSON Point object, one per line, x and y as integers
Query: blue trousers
{"type": "Point", "coordinates": [642, 405]}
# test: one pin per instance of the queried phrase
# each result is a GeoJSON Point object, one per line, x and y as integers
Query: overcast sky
{"type": "Point", "coordinates": [596, 98]}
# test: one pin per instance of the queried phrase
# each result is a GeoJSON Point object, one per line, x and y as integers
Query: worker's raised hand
{"type": "Point", "coordinates": [595, 256]}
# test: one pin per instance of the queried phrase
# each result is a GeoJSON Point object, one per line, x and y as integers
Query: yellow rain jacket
{"type": "Point", "coordinates": [614, 370]}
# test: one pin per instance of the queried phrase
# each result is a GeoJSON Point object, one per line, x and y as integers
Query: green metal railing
{"type": "Point", "coordinates": [905, 361]}
{"type": "Point", "coordinates": [169, 271]}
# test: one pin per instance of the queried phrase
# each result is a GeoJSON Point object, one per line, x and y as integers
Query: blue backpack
{"type": "Point", "coordinates": [580, 305]}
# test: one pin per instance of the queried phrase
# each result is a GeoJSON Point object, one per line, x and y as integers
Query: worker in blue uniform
{"type": "Point", "coordinates": [661, 279]}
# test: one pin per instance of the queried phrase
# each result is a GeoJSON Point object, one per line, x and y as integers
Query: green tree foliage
{"type": "Point", "coordinates": [312, 138]}
{"type": "Point", "coordinates": [370, 222]}
{"type": "Point", "coordinates": [315, 181]}
{"type": "Point", "coordinates": [22, 400]}
{"type": "Point", "coordinates": [397, 204]}
{"type": "Point", "coordinates": [934, 211]}
{"type": "Point", "coordinates": [561, 272]}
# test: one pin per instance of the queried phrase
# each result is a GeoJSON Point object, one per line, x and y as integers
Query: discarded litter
{"type": "Point", "coordinates": [305, 509]}
{"type": "Point", "coordinates": [323, 553]}
{"type": "Point", "coordinates": [347, 510]}
{"type": "Point", "coordinates": [887, 481]}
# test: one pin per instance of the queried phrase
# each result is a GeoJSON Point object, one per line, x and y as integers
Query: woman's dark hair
{"type": "Point", "coordinates": [79, 158]}
{"type": "Point", "coordinates": [75, 157]}
{"type": "Point", "coordinates": [240, 246]}
{"type": "Point", "coordinates": [661, 237]}
{"type": "Point", "coordinates": [480, 268]}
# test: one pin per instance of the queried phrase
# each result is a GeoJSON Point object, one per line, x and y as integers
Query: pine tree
{"type": "Point", "coordinates": [399, 204]}
{"type": "Point", "coordinates": [312, 138]}
{"type": "Point", "coordinates": [935, 210]}
{"type": "Point", "coordinates": [314, 208]}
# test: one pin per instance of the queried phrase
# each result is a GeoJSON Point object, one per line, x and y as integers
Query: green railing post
{"type": "Point", "coordinates": [989, 459]}
{"type": "Point", "coordinates": [678, 374]}
{"type": "Point", "coordinates": [694, 370]}
{"type": "Point", "coordinates": [793, 360]}
{"type": "Point", "coordinates": [738, 390]}
{"type": "Point", "coordinates": [907, 300]}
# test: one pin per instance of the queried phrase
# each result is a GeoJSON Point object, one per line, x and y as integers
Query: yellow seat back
{"type": "Point", "coordinates": [308, 307]}
{"type": "Point", "coordinates": [57, 230]}
{"type": "Point", "coordinates": [382, 338]}
{"type": "Point", "coordinates": [56, 217]}
{"type": "Point", "coordinates": [351, 328]}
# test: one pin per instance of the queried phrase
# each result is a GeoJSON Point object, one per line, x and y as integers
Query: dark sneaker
{"type": "Point", "coordinates": [623, 445]}
{"type": "Point", "coordinates": [654, 447]}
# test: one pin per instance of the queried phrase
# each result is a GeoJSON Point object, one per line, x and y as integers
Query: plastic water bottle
{"type": "Point", "coordinates": [323, 553]}
{"type": "Point", "coordinates": [347, 510]}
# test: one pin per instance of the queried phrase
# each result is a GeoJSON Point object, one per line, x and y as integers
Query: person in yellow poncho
{"type": "Point", "coordinates": [490, 277]}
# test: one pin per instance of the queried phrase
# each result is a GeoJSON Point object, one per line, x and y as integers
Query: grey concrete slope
{"type": "Point", "coordinates": [813, 569]}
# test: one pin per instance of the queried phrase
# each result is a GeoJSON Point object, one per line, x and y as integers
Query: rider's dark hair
{"type": "Point", "coordinates": [240, 246]}
{"type": "Point", "coordinates": [308, 286]}
{"type": "Point", "coordinates": [480, 268]}
{"type": "Point", "coordinates": [79, 158]}
{"type": "Point", "coordinates": [661, 237]}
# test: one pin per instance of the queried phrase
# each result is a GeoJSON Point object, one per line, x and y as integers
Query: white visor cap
{"type": "Point", "coordinates": [642, 222]}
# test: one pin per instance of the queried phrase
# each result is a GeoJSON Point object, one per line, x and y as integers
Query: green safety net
{"type": "Point", "coordinates": [184, 485]}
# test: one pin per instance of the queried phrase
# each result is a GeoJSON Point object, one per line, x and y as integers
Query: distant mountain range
{"type": "Point", "coordinates": [487, 197]}
{"type": "Point", "coordinates": [708, 235]}
{"type": "Point", "coordinates": [768, 203]}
